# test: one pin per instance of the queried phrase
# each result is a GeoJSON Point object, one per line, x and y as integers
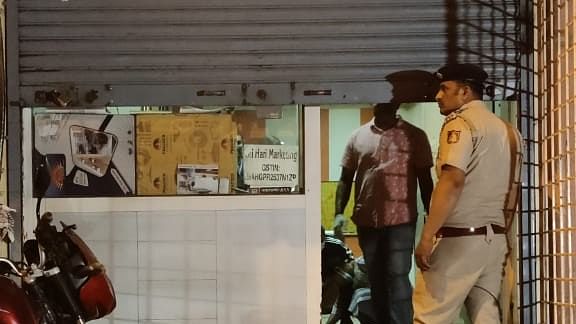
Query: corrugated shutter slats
{"type": "Point", "coordinates": [130, 47]}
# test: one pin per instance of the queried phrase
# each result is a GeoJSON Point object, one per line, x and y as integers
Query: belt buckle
{"type": "Point", "coordinates": [472, 230]}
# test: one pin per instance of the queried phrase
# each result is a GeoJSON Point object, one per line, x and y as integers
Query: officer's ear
{"type": "Point", "coordinates": [466, 90]}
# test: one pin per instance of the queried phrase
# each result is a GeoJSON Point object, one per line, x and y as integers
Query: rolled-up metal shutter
{"type": "Point", "coordinates": [219, 52]}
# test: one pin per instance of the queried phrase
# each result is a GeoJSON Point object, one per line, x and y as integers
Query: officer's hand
{"type": "Point", "coordinates": [423, 253]}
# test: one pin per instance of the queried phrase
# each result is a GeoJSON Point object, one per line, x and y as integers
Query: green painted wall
{"type": "Point", "coordinates": [344, 119]}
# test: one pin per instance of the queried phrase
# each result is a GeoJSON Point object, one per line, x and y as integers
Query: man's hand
{"type": "Point", "coordinates": [423, 253]}
{"type": "Point", "coordinates": [339, 222]}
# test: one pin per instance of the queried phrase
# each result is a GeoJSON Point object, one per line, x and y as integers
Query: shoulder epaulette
{"type": "Point", "coordinates": [451, 117]}
{"type": "Point", "coordinates": [458, 114]}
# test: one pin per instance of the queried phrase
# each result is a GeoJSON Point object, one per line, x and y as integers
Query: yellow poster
{"type": "Point", "coordinates": [185, 154]}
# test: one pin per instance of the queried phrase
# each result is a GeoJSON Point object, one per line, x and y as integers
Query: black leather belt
{"type": "Point", "coordinates": [459, 231]}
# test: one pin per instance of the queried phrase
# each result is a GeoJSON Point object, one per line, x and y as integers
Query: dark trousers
{"type": "Point", "coordinates": [388, 256]}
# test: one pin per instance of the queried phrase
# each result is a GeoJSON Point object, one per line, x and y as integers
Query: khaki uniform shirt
{"type": "Point", "coordinates": [385, 162]}
{"type": "Point", "coordinates": [475, 141]}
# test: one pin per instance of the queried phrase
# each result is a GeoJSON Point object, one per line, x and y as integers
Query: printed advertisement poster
{"type": "Point", "coordinates": [86, 155]}
{"type": "Point", "coordinates": [185, 154]}
{"type": "Point", "coordinates": [271, 166]}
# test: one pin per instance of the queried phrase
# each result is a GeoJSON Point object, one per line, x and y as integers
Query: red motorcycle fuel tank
{"type": "Point", "coordinates": [15, 307]}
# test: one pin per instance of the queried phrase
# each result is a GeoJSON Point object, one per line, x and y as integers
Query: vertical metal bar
{"type": "Point", "coordinates": [557, 95]}
{"type": "Point", "coordinates": [527, 123]}
{"type": "Point", "coordinates": [14, 126]}
{"type": "Point", "coordinates": [548, 87]}
{"type": "Point", "coordinates": [3, 100]}
{"type": "Point", "coordinates": [302, 143]}
{"type": "Point", "coordinates": [542, 16]}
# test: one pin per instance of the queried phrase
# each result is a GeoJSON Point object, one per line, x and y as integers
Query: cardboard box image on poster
{"type": "Point", "coordinates": [197, 179]}
{"type": "Point", "coordinates": [173, 149]}
{"type": "Point", "coordinates": [86, 155]}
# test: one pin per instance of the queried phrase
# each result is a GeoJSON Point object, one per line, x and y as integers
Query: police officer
{"type": "Point", "coordinates": [463, 246]}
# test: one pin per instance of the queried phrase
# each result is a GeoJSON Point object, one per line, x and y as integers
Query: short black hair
{"type": "Point", "coordinates": [383, 106]}
{"type": "Point", "coordinates": [477, 88]}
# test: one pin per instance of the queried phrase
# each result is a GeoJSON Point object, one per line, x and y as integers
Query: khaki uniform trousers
{"type": "Point", "coordinates": [466, 271]}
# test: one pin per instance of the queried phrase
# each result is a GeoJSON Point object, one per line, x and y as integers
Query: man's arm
{"type": "Point", "coordinates": [426, 186]}
{"type": "Point", "coordinates": [343, 190]}
{"type": "Point", "coordinates": [342, 196]}
{"type": "Point", "coordinates": [444, 198]}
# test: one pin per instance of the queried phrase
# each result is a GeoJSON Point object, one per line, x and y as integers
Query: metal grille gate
{"type": "Point", "coordinates": [557, 115]}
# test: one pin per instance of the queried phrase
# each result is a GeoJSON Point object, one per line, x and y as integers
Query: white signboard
{"type": "Point", "coordinates": [271, 165]}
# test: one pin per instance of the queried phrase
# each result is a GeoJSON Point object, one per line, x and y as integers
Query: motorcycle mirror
{"type": "Point", "coordinates": [41, 178]}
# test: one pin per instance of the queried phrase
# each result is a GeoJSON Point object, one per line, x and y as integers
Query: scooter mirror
{"type": "Point", "coordinates": [41, 175]}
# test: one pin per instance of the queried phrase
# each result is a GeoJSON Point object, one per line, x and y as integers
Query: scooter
{"type": "Point", "coordinates": [62, 281]}
{"type": "Point", "coordinates": [348, 279]}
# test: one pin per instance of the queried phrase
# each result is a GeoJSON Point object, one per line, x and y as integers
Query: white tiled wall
{"type": "Point", "coordinates": [261, 266]}
{"type": "Point", "coordinates": [201, 267]}
{"type": "Point", "coordinates": [204, 260]}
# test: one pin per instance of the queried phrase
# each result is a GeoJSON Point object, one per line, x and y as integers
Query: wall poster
{"type": "Point", "coordinates": [271, 168]}
{"type": "Point", "coordinates": [86, 155]}
{"type": "Point", "coordinates": [186, 154]}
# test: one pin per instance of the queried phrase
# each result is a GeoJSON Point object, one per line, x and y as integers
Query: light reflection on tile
{"type": "Point", "coordinates": [261, 278]}
{"type": "Point", "coordinates": [177, 226]}
{"type": "Point", "coordinates": [180, 256]}
{"type": "Point", "coordinates": [177, 300]}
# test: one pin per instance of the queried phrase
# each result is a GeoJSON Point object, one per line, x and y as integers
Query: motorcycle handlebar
{"type": "Point", "coordinates": [12, 266]}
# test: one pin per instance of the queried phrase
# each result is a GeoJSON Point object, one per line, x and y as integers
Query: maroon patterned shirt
{"type": "Point", "coordinates": [385, 162]}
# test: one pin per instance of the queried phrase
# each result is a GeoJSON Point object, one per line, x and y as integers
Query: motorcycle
{"type": "Point", "coordinates": [345, 288]}
{"type": "Point", "coordinates": [62, 281]}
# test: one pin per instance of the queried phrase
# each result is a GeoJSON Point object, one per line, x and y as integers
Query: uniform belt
{"type": "Point", "coordinates": [458, 231]}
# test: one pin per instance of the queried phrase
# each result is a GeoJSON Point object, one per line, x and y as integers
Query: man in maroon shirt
{"type": "Point", "coordinates": [389, 158]}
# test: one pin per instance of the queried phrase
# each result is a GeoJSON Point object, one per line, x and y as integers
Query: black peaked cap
{"type": "Point", "coordinates": [462, 72]}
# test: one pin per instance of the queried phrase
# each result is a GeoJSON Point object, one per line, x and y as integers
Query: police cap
{"type": "Point", "coordinates": [465, 72]}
